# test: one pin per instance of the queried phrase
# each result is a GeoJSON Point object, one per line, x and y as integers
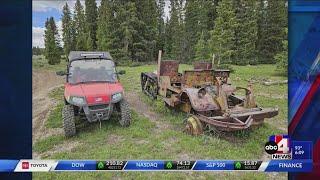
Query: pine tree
{"type": "Point", "coordinates": [222, 41]}
{"type": "Point", "coordinates": [179, 37]}
{"type": "Point", "coordinates": [168, 40]}
{"type": "Point", "coordinates": [91, 23]}
{"type": "Point", "coordinates": [160, 25]}
{"type": "Point", "coordinates": [73, 33]}
{"type": "Point", "coordinates": [246, 32]}
{"type": "Point", "coordinates": [124, 34]}
{"type": "Point", "coordinates": [140, 45]}
{"type": "Point", "coordinates": [192, 27]}
{"type": "Point", "coordinates": [199, 20]}
{"type": "Point", "coordinates": [130, 44]}
{"type": "Point", "coordinates": [211, 12]}
{"type": "Point", "coordinates": [282, 57]}
{"type": "Point", "coordinates": [261, 21]}
{"type": "Point", "coordinates": [104, 25]}
{"type": "Point", "coordinates": [52, 44]}
{"type": "Point", "coordinates": [271, 27]}
{"type": "Point", "coordinates": [67, 30]}
{"type": "Point", "coordinates": [79, 26]}
{"type": "Point", "coordinates": [175, 33]}
{"type": "Point", "coordinates": [147, 16]}
{"type": "Point", "coordinates": [201, 49]}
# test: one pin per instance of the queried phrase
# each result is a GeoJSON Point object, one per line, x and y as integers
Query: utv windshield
{"type": "Point", "coordinates": [94, 70]}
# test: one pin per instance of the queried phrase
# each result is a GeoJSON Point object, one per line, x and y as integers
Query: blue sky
{"type": "Point", "coordinates": [38, 18]}
{"type": "Point", "coordinates": [41, 10]}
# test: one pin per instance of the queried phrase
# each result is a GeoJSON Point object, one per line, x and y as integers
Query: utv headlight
{"type": "Point", "coordinates": [77, 100]}
{"type": "Point", "coordinates": [116, 97]}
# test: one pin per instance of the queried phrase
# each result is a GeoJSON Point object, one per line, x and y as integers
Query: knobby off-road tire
{"type": "Point", "coordinates": [69, 125]}
{"type": "Point", "coordinates": [125, 113]}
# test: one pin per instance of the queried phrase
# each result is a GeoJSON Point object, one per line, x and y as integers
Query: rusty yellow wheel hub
{"type": "Point", "coordinates": [193, 126]}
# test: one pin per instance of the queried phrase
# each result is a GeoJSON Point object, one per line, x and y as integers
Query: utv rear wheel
{"type": "Point", "coordinates": [69, 125]}
{"type": "Point", "coordinates": [125, 120]}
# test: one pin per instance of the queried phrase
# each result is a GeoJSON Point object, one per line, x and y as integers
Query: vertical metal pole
{"type": "Point", "coordinates": [213, 60]}
{"type": "Point", "coordinates": [159, 62]}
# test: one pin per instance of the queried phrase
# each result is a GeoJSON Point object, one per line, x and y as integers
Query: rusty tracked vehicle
{"type": "Point", "coordinates": [205, 93]}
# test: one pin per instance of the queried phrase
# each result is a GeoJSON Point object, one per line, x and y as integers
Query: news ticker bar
{"type": "Point", "coordinates": [155, 165]}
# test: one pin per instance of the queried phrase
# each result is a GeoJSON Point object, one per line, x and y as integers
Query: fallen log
{"type": "Point", "coordinates": [266, 82]}
{"type": "Point", "coordinates": [269, 83]}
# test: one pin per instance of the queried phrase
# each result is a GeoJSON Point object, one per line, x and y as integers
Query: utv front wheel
{"type": "Point", "coordinates": [69, 125]}
{"type": "Point", "coordinates": [125, 113]}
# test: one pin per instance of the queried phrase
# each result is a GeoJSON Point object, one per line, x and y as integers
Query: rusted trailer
{"type": "Point", "coordinates": [206, 94]}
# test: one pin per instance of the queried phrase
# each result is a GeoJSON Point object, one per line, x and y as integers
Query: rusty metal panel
{"type": "Point", "coordinates": [176, 90]}
{"type": "Point", "coordinates": [176, 79]}
{"type": "Point", "coordinates": [249, 101]}
{"type": "Point", "coordinates": [185, 107]}
{"type": "Point", "coordinates": [194, 78]}
{"type": "Point", "coordinates": [169, 68]}
{"type": "Point", "coordinates": [203, 103]}
{"type": "Point", "coordinates": [151, 75]}
{"type": "Point", "coordinates": [172, 101]}
{"type": "Point", "coordinates": [164, 83]}
{"type": "Point", "coordinates": [222, 74]}
{"type": "Point", "coordinates": [202, 65]}
{"type": "Point", "coordinates": [228, 89]}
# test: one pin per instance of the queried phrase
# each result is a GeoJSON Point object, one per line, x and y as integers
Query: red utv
{"type": "Point", "coordinates": [92, 90]}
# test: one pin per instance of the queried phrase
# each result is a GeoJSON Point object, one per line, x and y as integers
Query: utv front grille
{"type": "Point", "coordinates": [98, 107]}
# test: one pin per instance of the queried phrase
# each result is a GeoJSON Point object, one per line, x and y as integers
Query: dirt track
{"type": "Point", "coordinates": [42, 83]}
{"type": "Point", "coordinates": [143, 109]}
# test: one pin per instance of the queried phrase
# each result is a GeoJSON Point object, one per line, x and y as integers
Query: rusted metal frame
{"type": "Point", "coordinates": [150, 81]}
{"type": "Point", "coordinates": [222, 74]}
{"type": "Point", "coordinates": [246, 89]}
{"type": "Point", "coordinates": [246, 111]}
{"type": "Point", "coordinates": [227, 125]}
{"type": "Point", "coordinates": [237, 120]}
{"type": "Point", "coordinates": [222, 120]}
{"type": "Point", "coordinates": [266, 112]}
{"type": "Point", "coordinates": [146, 84]}
{"type": "Point", "coordinates": [192, 78]}
{"type": "Point", "coordinates": [174, 89]}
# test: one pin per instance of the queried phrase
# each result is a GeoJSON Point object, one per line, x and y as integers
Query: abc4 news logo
{"type": "Point", "coordinates": [279, 147]}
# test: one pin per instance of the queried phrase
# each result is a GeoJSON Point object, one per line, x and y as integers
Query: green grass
{"type": "Point", "coordinates": [39, 62]}
{"type": "Point", "coordinates": [54, 119]}
{"type": "Point", "coordinates": [159, 175]}
{"type": "Point", "coordinates": [48, 143]}
{"type": "Point", "coordinates": [142, 140]}
{"type": "Point", "coordinates": [55, 116]}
